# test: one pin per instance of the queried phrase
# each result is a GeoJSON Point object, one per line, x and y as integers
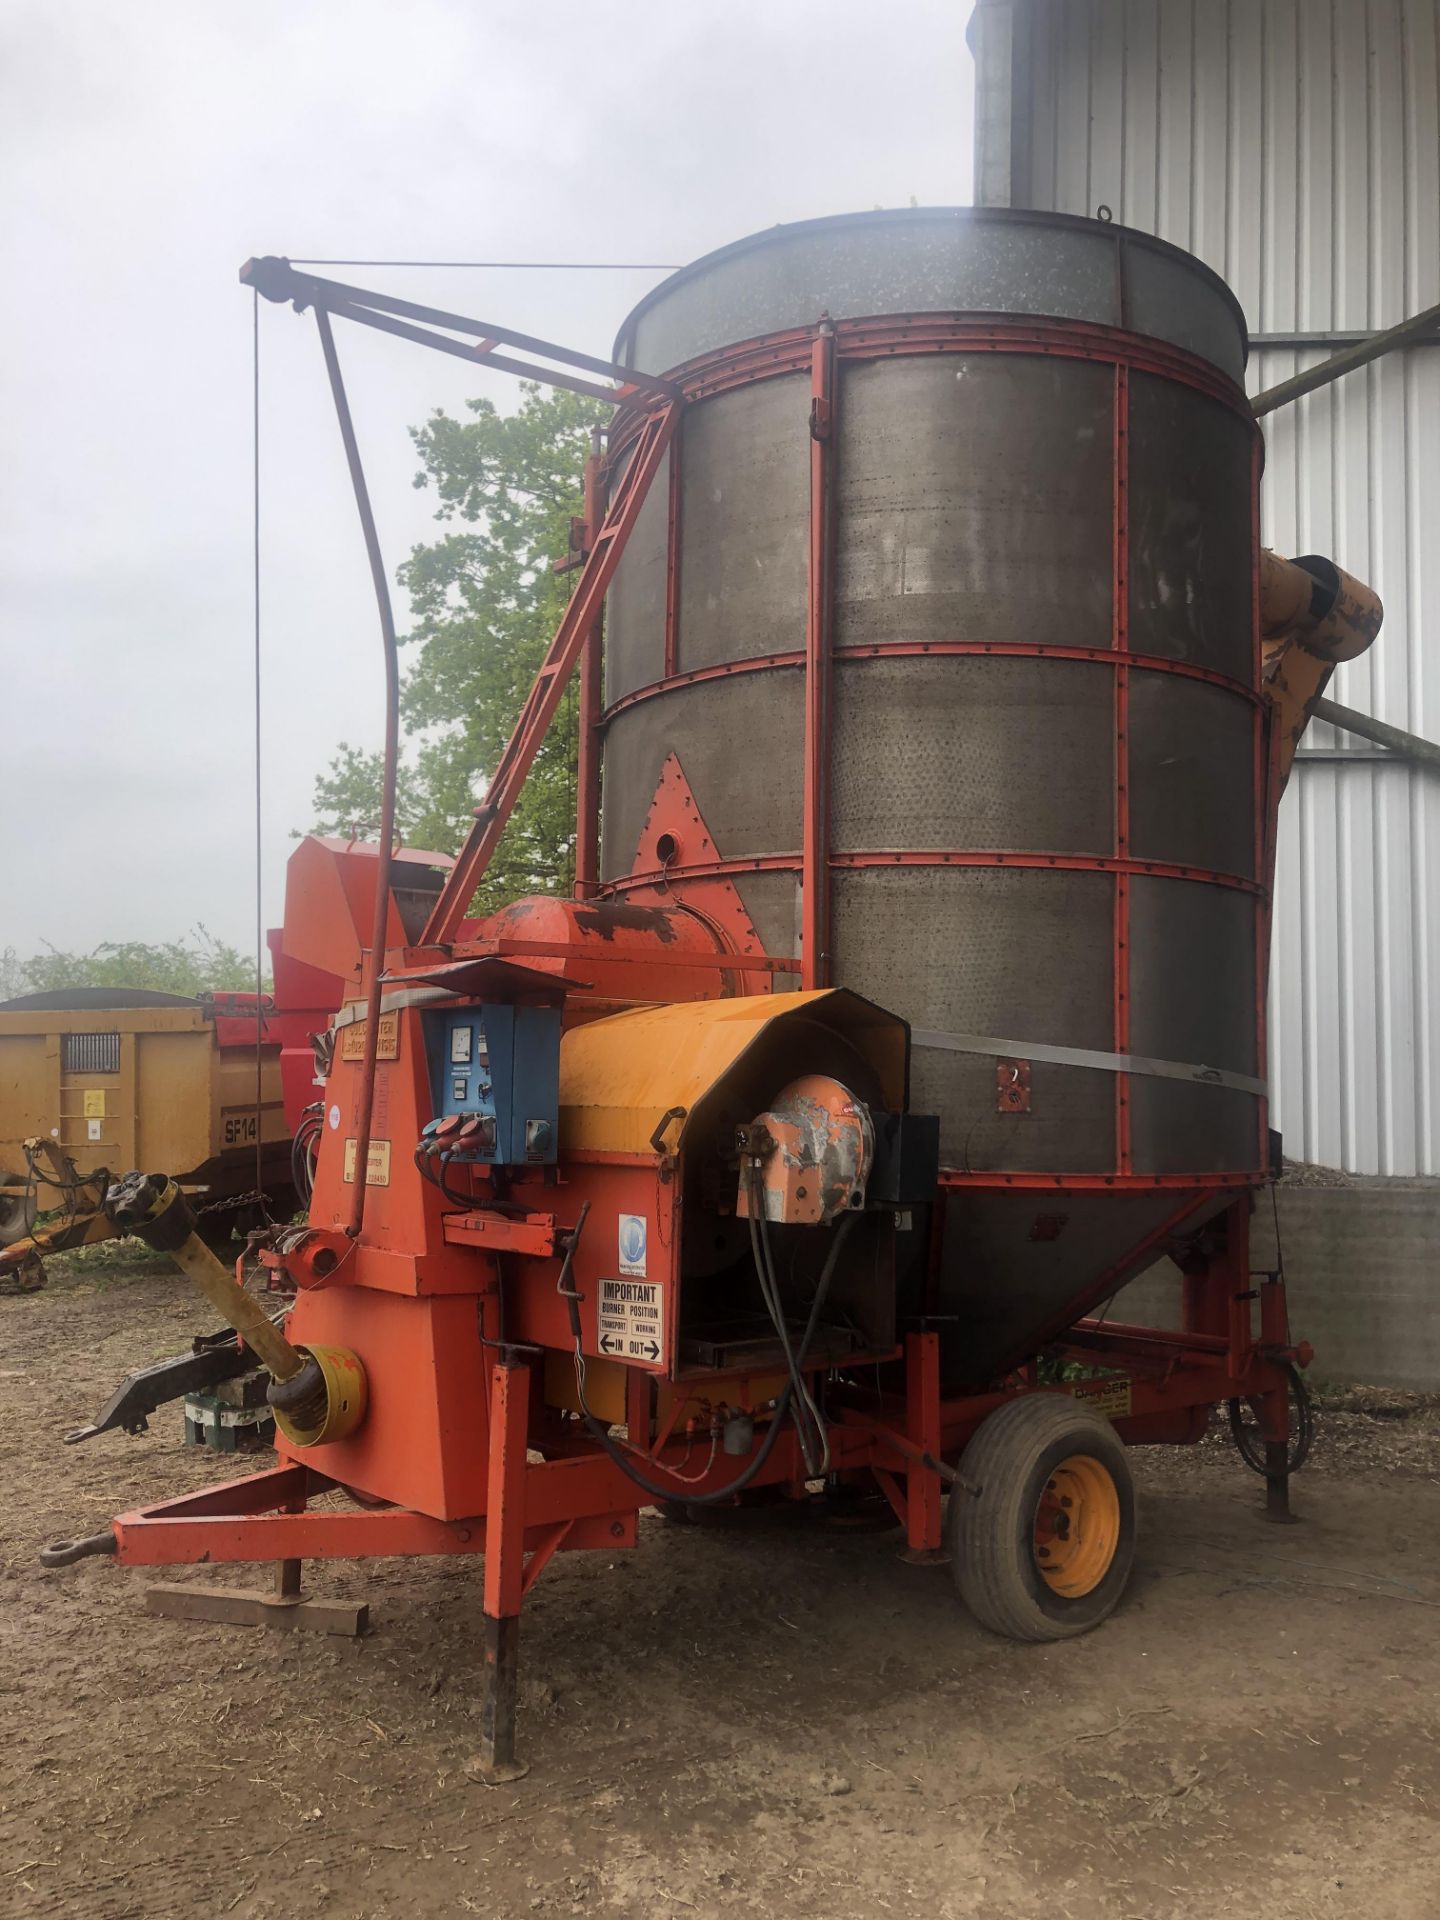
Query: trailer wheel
{"type": "Point", "coordinates": [17, 1212]}
{"type": "Point", "coordinates": [1042, 1548]}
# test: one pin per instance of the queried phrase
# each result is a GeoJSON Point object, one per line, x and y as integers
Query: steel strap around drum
{"type": "Point", "coordinates": [1084, 1057]}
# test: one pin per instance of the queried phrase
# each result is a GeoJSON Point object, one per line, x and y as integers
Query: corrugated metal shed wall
{"type": "Point", "coordinates": [1295, 146]}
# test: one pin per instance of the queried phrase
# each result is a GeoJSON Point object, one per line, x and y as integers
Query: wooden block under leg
{"type": "Point", "coordinates": [244, 1607]}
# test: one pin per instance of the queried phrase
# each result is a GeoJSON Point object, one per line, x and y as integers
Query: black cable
{"type": "Point", "coordinates": [625, 1461]}
{"type": "Point", "coordinates": [770, 1293]}
{"type": "Point", "coordinates": [302, 1152]}
{"type": "Point", "coordinates": [1251, 1447]}
{"type": "Point", "coordinates": [491, 1203]}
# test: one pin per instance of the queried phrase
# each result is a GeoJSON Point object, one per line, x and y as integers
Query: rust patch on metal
{"type": "Point", "coordinates": [1012, 1086]}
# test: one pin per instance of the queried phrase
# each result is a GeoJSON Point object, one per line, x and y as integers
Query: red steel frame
{"type": "Point", "coordinates": [815, 858]}
{"type": "Point", "coordinates": [592, 693]}
{"type": "Point", "coordinates": [582, 1499]}
{"type": "Point", "coordinates": [577, 625]}
{"type": "Point", "coordinates": [1121, 619]}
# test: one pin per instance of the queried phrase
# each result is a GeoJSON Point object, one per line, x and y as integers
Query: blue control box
{"type": "Point", "coordinates": [500, 1062]}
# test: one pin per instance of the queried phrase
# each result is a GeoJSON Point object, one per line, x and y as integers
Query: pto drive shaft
{"type": "Point", "coordinates": [316, 1395]}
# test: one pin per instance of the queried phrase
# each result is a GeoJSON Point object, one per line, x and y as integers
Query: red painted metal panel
{"type": "Point", "coordinates": [815, 860]}
{"type": "Point", "coordinates": [953, 1179]}
{"type": "Point", "coordinates": [941, 649]}
{"type": "Point", "coordinates": [1120, 616]}
{"type": "Point", "coordinates": [922, 1423]}
{"type": "Point", "coordinates": [888, 336]}
{"type": "Point", "coordinates": [949, 857]}
{"type": "Point", "coordinates": [1267, 806]}
{"type": "Point", "coordinates": [592, 698]}
{"type": "Point", "coordinates": [674, 535]}
{"type": "Point", "coordinates": [505, 1500]}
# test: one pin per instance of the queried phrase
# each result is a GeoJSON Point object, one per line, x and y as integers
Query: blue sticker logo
{"type": "Point", "coordinates": [633, 1237]}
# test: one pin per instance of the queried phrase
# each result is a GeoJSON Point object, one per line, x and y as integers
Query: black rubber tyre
{"type": "Point", "coordinates": [1013, 1461]}
{"type": "Point", "coordinates": [17, 1212]}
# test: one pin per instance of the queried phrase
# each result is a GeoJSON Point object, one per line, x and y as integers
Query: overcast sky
{"type": "Point", "coordinates": [148, 147]}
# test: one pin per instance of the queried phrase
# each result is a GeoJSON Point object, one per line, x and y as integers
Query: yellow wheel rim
{"type": "Point", "coordinates": [1077, 1526]}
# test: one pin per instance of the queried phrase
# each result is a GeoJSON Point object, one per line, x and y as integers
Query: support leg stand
{"type": "Point", "coordinates": [1277, 1483]}
{"type": "Point", "coordinates": [923, 1522]}
{"type": "Point", "coordinates": [504, 1571]}
{"type": "Point", "coordinates": [497, 1762]}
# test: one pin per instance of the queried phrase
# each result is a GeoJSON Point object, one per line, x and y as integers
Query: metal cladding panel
{"type": "Point", "coordinates": [635, 608]}
{"type": "Point", "coordinates": [1190, 537]}
{"type": "Point", "coordinates": [745, 494]}
{"type": "Point", "coordinates": [1046, 1246]}
{"type": "Point", "coordinates": [991, 951]}
{"type": "Point", "coordinates": [1192, 775]}
{"type": "Point", "coordinates": [975, 752]}
{"type": "Point", "coordinates": [1192, 1001]}
{"type": "Point", "coordinates": [740, 742]}
{"type": "Point", "coordinates": [1296, 149]}
{"type": "Point", "coordinates": [974, 495]}
{"type": "Point", "coordinates": [929, 260]}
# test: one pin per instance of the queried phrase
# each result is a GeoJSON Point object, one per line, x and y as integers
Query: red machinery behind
{"type": "Point", "coordinates": [317, 956]}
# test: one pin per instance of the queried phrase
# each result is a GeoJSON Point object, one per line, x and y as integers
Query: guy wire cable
{"type": "Point", "coordinates": [520, 266]}
{"type": "Point", "coordinates": [259, 896]}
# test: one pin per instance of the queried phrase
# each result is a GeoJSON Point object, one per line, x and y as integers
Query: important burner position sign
{"type": "Point", "coordinates": [632, 1320]}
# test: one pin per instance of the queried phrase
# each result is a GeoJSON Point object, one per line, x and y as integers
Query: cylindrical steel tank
{"type": "Point", "coordinates": [1024, 563]}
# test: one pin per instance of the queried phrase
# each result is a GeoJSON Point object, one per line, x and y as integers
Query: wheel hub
{"type": "Point", "coordinates": [1077, 1526]}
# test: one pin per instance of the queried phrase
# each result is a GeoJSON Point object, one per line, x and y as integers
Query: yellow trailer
{"type": "Point", "coordinates": [100, 1080]}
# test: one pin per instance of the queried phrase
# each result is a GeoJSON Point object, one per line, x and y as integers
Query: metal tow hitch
{"type": "Point", "coordinates": [64, 1553]}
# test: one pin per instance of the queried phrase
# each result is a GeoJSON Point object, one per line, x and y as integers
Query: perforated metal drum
{"type": "Point", "coordinates": [1038, 810]}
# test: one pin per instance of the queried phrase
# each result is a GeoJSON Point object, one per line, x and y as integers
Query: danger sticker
{"type": "Point", "coordinates": [1110, 1397]}
{"type": "Point", "coordinates": [632, 1320]}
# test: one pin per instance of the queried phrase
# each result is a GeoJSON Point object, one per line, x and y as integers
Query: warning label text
{"type": "Point", "coordinates": [632, 1320]}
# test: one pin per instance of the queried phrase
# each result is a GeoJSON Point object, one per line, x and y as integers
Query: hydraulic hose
{"type": "Point", "coordinates": [770, 1294]}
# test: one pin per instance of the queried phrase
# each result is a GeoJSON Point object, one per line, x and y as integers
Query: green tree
{"type": "Point", "coordinates": [198, 964]}
{"type": "Point", "coordinates": [347, 797]}
{"type": "Point", "coordinates": [486, 602]}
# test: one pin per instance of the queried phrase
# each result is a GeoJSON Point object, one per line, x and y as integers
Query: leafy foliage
{"type": "Point", "coordinates": [195, 965]}
{"type": "Point", "coordinates": [486, 603]}
{"type": "Point", "coordinates": [347, 797]}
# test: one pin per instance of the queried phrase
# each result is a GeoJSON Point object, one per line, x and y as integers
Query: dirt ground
{"type": "Point", "coordinates": [766, 1720]}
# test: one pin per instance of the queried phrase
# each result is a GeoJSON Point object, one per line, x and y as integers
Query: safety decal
{"type": "Point", "coordinates": [633, 1237]}
{"type": "Point", "coordinates": [377, 1171]}
{"type": "Point", "coordinates": [1110, 1397]}
{"type": "Point", "coordinates": [387, 1046]}
{"type": "Point", "coordinates": [632, 1320]}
